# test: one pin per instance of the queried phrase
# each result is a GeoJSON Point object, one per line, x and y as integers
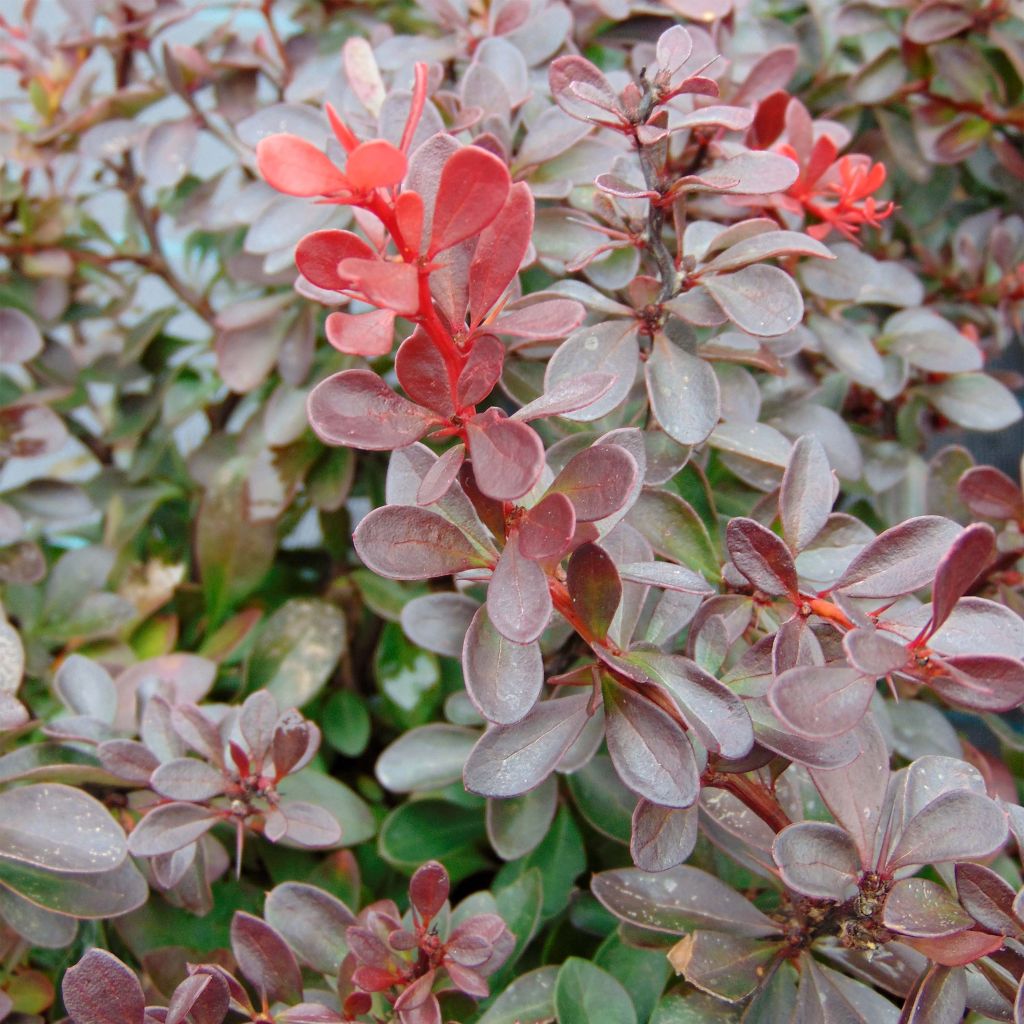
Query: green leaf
{"type": "Point", "coordinates": [584, 994]}
{"type": "Point", "coordinates": [296, 651]}
{"type": "Point", "coordinates": [520, 906]}
{"type": "Point", "coordinates": [346, 723]}
{"type": "Point", "coordinates": [602, 798]}
{"type": "Point", "coordinates": [405, 672]}
{"type": "Point", "coordinates": [429, 830]}
{"type": "Point", "coordinates": [642, 972]}
{"type": "Point", "coordinates": [675, 530]}
{"type": "Point", "coordinates": [530, 999]}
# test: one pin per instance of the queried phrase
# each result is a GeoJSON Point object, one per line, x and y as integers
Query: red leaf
{"type": "Point", "coordinates": [392, 285]}
{"type": "Point", "coordinates": [594, 587]}
{"type": "Point", "coordinates": [297, 167]}
{"type": "Point", "coordinates": [409, 215]}
{"type": "Point", "coordinates": [481, 372]}
{"type": "Point", "coordinates": [375, 164]}
{"type": "Point", "coordinates": [507, 455]}
{"type": "Point", "coordinates": [541, 321]}
{"type": "Point", "coordinates": [265, 959]}
{"type": "Point", "coordinates": [957, 950]}
{"type": "Point", "coordinates": [473, 188]}
{"type": "Point", "coordinates": [547, 529]}
{"type": "Point", "coordinates": [422, 372]}
{"type": "Point", "coordinates": [597, 480]}
{"type": "Point", "coordinates": [428, 889]}
{"type": "Point", "coordinates": [500, 250]}
{"type": "Point", "coordinates": [318, 254]}
{"type": "Point", "coordinates": [362, 334]}
{"type": "Point", "coordinates": [357, 409]}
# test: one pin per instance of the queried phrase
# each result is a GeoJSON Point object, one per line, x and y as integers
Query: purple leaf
{"type": "Point", "coordinates": [186, 778]}
{"type": "Point", "coordinates": [199, 999]}
{"type": "Point", "coordinates": [821, 701]}
{"type": "Point", "coordinates": [357, 409]}
{"type": "Point", "coordinates": [594, 588]}
{"type": "Point", "coordinates": [547, 529]}
{"type": "Point", "coordinates": [936, 20]}
{"type": "Point", "coordinates": [567, 396]}
{"type": "Point", "coordinates": [817, 859]}
{"type": "Point", "coordinates": [99, 989]}
{"type": "Point", "coordinates": [922, 908]}
{"type": "Point", "coordinates": [265, 959]}
{"type": "Point", "coordinates": [518, 599]}
{"type": "Point", "coordinates": [959, 825]}
{"type": "Point", "coordinates": [939, 996]}
{"type": "Point", "coordinates": [988, 898]}
{"type": "Point", "coordinates": [20, 339]}
{"type": "Point", "coordinates": [649, 749]}
{"type": "Point", "coordinates": [966, 559]}
{"type": "Point", "coordinates": [170, 827]}
{"type": "Point", "coordinates": [683, 391]}
{"type": "Point", "coordinates": [539, 319]}
{"type": "Point", "coordinates": [256, 722]}
{"type": "Point", "coordinates": [312, 921]}
{"type": "Point", "coordinates": [901, 560]}
{"type": "Point", "coordinates": [128, 760]}
{"type": "Point", "coordinates": [761, 299]}
{"type": "Point", "coordinates": [764, 245]}
{"type": "Point", "coordinates": [611, 348]}
{"type": "Point", "coordinates": [406, 543]}
{"type": "Point", "coordinates": [597, 480]}
{"type": "Point", "coordinates": [310, 825]}
{"type": "Point", "coordinates": [511, 759]}
{"type": "Point", "coordinates": [808, 489]}
{"type": "Point", "coordinates": [507, 455]}
{"type": "Point", "coordinates": [762, 557]}
{"type": "Point", "coordinates": [875, 653]}
{"type": "Point", "coordinates": [980, 682]}
{"type": "Point", "coordinates": [662, 837]}
{"type": "Point", "coordinates": [728, 966]}
{"type": "Point", "coordinates": [503, 678]}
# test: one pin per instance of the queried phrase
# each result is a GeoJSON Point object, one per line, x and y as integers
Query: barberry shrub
{"type": "Point", "coordinates": [480, 532]}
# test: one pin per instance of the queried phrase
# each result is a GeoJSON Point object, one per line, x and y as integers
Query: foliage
{"type": "Point", "coordinates": [673, 670]}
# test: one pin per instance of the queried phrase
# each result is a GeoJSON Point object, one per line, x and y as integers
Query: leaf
{"type": "Point", "coordinates": [683, 390]}
{"type": "Point", "coordinates": [594, 589]}
{"type": "Point", "coordinates": [598, 481]}
{"type": "Point", "coordinates": [95, 895]}
{"type": "Point", "coordinates": [481, 371]}
{"type": "Point", "coordinates": [763, 558]}
{"type": "Point", "coordinates": [585, 994]}
{"type": "Point", "coordinates": [988, 898]}
{"type": "Point", "coordinates": [991, 493]}
{"type": "Point", "coordinates": [518, 598]}
{"type": "Point", "coordinates": [507, 455]}
{"type": "Point", "coordinates": [99, 989]}
{"type": "Point", "coordinates": [312, 922]}
{"type": "Point", "coordinates": [901, 560]}
{"type": "Point", "coordinates": [516, 826]}
{"type": "Point", "coordinates": [763, 300]}
{"type": "Point", "coordinates": [728, 966]}
{"type": "Point", "coordinates": [500, 250]}
{"type": "Point", "coordinates": [186, 778]}
{"type": "Point", "coordinates": [570, 395]}
{"type": "Point", "coordinates": [975, 401]}
{"type": "Point", "coordinates": [200, 998]}
{"type": "Point", "coordinates": [296, 650]}
{"type": "Point", "coordinates": [472, 191]}
{"type": "Point", "coordinates": [808, 488]}
{"type": "Point", "coordinates": [958, 825]}
{"type": "Point", "coordinates": [432, 830]}
{"type": "Point", "coordinates": [529, 999]}
{"type": "Point", "coordinates": [511, 759]}
{"type": "Point", "coordinates": [935, 21]}
{"type": "Point", "coordinates": [967, 557]}
{"type": "Point", "coordinates": [297, 167]}
{"type": "Point", "coordinates": [426, 758]}
{"type": "Point", "coordinates": [375, 164]}
{"type": "Point", "coordinates": [764, 246]}
{"type": "Point", "coordinates": [581, 89]}
{"type": "Point", "coordinates": [364, 334]}
{"type": "Point", "coordinates": [662, 837]}
{"type": "Point", "coordinates": [957, 950]}
{"type": "Point", "coordinates": [667, 575]}
{"type": "Point", "coordinates": [547, 529]}
{"type": "Point", "coordinates": [650, 751]}
{"type": "Point", "coordinates": [402, 543]}
{"type": "Point", "coordinates": [318, 254]}
{"type": "Point", "coordinates": [610, 348]}
{"type": "Point", "coordinates": [20, 339]}
{"type": "Point", "coordinates": [817, 859]}
{"type": "Point", "coordinates": [675, 530]}
{"type": "Point", "coordinates": [438, 622]}
{"type": "Point", "coordinates": [939, 996]}
{"type": "Point", "coordinates": [170, 827]}
{"type": "Point", "coordinates": [875, 653]}
{"type": "Point", "coordinates": [265, 959]}
{"type": "Point", "coordinates": [86, 688]}
{"type": "Point", "coordinates": [821, 701]}
{"type": "Point", "coordinates": [750, 172]}
{"type": "Point", "coordinates": [503, 678]}
{"type": "Point", "coordinates": [925, 909]}
{"type": "Point", "coordinates": [59, 828]}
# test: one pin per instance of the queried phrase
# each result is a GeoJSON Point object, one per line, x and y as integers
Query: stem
{"type": "Point", "coordinates": [752, 794]}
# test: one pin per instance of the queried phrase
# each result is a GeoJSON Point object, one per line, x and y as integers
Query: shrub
{"type": "Point", "coordinates": [673, 638]}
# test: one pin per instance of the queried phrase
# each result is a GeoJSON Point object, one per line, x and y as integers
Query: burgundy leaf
{"type": "Point", "coordinates": [518, 598]}
{"type": "Point", "coordinates": [957, 950]}
{"type": "Point", "coordinates": [318, 254]}
{"type": "Point", "coordinates": [313, 923]}
{"type": "Point", "coordinates": [901, 560]}
{"type": "Point", "coordinates": [438, 622]}
{"type": "Point", "coordinates": [428, 890]}
{"type": "Point", "coordinates": [362, 334]}
{"type": "Point", "coordinates": [981, 682]}
{"type": "Point", "coordinates": [762, 557]}
{"type": "Point", "coordinates": [507, 455]}
{"type": "Point", "coordinates": [988, 898]}
{"type": "Point", "coordinates": [990, 493]}
{"type": "Point", "coordinates": [406, 543]}
{"type": "Point", "coordinates": [667, 575]}
{"type": "Point", "coordinates": [128, 760]}
{"type": "Point", "coordinates": [310, 825]}
{"type": "Point", "coordinates": [423, 373]}
{"type": "Point", "coordinates": [481, 372]}
{"type": "Point", "coordinates": [291, 740]}
{"type": "Point", "coordinates": [966, 559]}
{"type": "Point", "coordinates": [597, 480]}
{"type": "Point", "coordinates": [500, 250]}
{"type": "Point", "coordinates": [472, 191]}
{"type": "Point", "coordinates": [265, 959]}
{"type": "Point", "coordinates": [610, 348]}
{"type": "Point", "coordinates": [199, 999]}
{"type": "Point", "coordinates": [808, 487]}
{"type": "Point", "coordinates": [817, 859]}
{"type": "Point", "coordinates": [547, 529]}
{"type": "Point", "coordinates": [594, 588]}
{"type": "Point", "coordinates": [728, 966]}
{"type": "Point", "coordinates": [875, 653]}
{"type": "Point", "coordinates": [662, 837]}
{"type": "Point", "coordinates": [540, 319]}
{"type": "Point", "coordinates": [256, 722]}
{"type": "Point", "coordinates": [649, 749]}
{"type": "Point", "coordinates": [99, 989]}
{"type": "Point", "coordinates": [511, 759]}
{"type": "Point", "coordinates": [821, 701]}
{"type": "Point", "coordinates": [503, 678]}
{"type": "Point", "coordinates": [357, 409]}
